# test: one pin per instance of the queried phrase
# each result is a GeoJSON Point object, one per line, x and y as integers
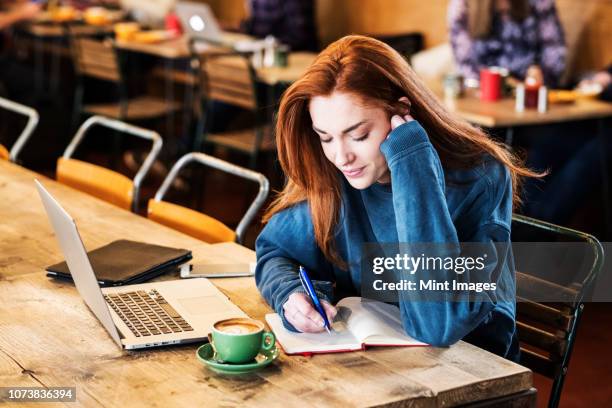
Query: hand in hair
{"type": "Point", "coordinates": [402, 117]}
{"type": "Point", "coordinates": [300, 312]}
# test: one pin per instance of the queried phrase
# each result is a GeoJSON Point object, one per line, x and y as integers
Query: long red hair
{"type": "Point", "coordinates": [379, 76]}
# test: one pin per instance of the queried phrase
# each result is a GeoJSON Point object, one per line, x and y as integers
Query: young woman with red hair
{"type": "Point", "coordinates": [370, 155]}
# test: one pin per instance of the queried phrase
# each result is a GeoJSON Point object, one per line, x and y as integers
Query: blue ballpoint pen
{"type": "Point", "coordinates": [307, 284]}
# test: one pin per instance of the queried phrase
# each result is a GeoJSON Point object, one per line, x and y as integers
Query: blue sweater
{"type": "Point", "coordinates": [422, 204]}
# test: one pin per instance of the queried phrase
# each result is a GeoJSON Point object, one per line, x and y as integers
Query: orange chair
{"type": "Point", "coordinates": [195, 223]}
{"type": "Point", "coordinates": [25, 134]}
{"type": "Point", "coordinates": [100, 182]}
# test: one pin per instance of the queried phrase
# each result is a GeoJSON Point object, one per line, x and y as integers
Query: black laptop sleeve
{"type": "Point", "coordinates": [125, 262]}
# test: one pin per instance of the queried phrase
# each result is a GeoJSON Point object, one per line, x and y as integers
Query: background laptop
{"type": "Point", "coordinates": [143, 315]}
{"type": "Point", "coordinates": [199, 21]}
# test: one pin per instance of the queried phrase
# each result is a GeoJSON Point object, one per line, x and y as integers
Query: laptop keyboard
{"type": "Point", "coordinates": [147, 313]}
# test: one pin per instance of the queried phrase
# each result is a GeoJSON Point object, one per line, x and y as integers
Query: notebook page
{"type": "Point", "coordinates": [374, 323]}
{"type": "Point", "coordinates": [340, 339]}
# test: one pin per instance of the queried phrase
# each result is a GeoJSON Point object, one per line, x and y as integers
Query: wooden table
{"type": "Point", "coordinates": [176, 49]}
{"type": "Point", "coordinates": [47, 30]}
{"type": "Point", "coordinates": [297, 62]}
{"type": "Point", "coordinates": [501, 113]}
{"type": "Point", "coordinates": [48, 37]}
{"type": "Point", "coordinates": [179, 47]}
{"type": "Point", "coordinates": [49, 338]}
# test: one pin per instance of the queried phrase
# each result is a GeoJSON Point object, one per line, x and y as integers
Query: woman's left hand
{"type": "Point", "coordinates": [397, 120]}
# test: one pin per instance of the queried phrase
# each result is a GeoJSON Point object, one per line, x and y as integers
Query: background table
{"type": "Point", "coordinates": [297, 62]}
{"type": "Point", "coordinates": [179, 47]}
{"type": "Point", "coordinates": [49, 338]}
{"type": "Point", "coordinates": [46, 30]}
{"type": "Point", "coordinates": [47, 37]}
{"type": "Point", "coordinates": [502, 115]}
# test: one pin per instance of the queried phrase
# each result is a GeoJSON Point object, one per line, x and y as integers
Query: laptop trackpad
{"type": "Point", "coordinates": [202, 305]}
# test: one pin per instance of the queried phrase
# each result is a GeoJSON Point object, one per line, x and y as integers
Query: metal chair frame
{"type": "Point", "coordinates": [586, 286]}
{"type": "Point", "coordinates": [126, 128]}
{"type": "Point", "coordinates": [210, 161]}
{"type": "Point", "coordinates": [27, 131]}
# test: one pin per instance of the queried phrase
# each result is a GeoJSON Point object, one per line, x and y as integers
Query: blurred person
{"type": "Point", "coordinates": [14, 12]}
{"type": "Point", "coordinates": [526, 37]}
{"type": "Point", "coordinates": [523, 36]}
{"type": "Point", "coordinates": [290, 21]}
{"type": "Point", "coordinates": [15, 79]}
{"type": "Point", "coordinates": [149, 12]}
{"type": "Point", "coordinates": [601, 79]}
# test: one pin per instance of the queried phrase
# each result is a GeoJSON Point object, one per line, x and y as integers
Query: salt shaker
{"type": "Point", "coordinates": [542, 99]}
{"type": "Point", "coordinates": [519, 103]}
{"type": "Point", "coordinates": [270, 44]}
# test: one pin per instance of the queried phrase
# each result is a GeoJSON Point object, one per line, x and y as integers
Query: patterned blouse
{"type": "Point", "coordinates": [291, 21]}
{"type": "Point", "coordinates": [538, 39]}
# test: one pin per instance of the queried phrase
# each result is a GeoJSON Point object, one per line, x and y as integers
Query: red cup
{"type": "Point", "coordinates": [173, 24]}
{"type": "Point", "coordinates": [490, 84]}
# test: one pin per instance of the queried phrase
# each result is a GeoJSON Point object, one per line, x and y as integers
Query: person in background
{"type": "Point", "coordinates": [148, 12]}
{"type": "Point", "coordinates": [523, 36]}
{"type": "Point", "coordinates": [601, 79]}
{"type": "Point", "coordinates": [11, 13]}
{"type": "Point", "coordinates": [15, 79]}
{"type": "Point", "coordinates": [290, 21]}
{"type": "Point", "coordinates": [526, 37]}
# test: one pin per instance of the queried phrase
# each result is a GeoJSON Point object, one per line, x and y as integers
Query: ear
{"type": "Point", "coordinates": [404, 100]}
{"type": "Point", "coordinates": [402, 106]}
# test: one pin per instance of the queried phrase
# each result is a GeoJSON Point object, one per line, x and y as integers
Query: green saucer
{"type": "Point", "coordinates": [205, 354]}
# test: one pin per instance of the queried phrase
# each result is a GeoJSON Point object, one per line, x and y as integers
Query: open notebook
{"type": "Point", "coordinates": [358, 324]}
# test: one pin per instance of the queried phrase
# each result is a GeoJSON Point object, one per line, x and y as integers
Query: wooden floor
{"type": "Point", "coordinates": [589, 377]}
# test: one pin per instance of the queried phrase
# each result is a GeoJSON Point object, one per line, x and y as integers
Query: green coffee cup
{"type": "Point", "coordinates": [239, 340]}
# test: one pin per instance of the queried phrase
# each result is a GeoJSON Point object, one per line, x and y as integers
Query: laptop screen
{"type": "Point", "coordinates": [76, 256]}
{"type": "Point", "coordinates": [198, 20]}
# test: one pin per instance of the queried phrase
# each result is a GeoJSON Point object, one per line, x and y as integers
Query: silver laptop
{"type": "Point", "coordinates": [142, 315]}
{"type": "Point", "coordinates": [198, 20]}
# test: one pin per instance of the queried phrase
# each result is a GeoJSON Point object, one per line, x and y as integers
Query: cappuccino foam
{"type": "Point", "coordinates": [237, 326]}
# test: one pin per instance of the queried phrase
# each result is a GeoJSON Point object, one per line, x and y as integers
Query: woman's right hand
{"type": "Point", "coordinates": [300, 312]}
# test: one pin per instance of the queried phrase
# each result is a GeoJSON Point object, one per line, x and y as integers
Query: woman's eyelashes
{"type": "Point", "coordinates": [359, 139]}
{"type": "Point", "coordinates": [355, 139]}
